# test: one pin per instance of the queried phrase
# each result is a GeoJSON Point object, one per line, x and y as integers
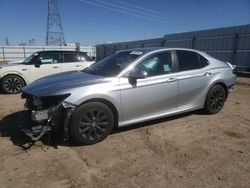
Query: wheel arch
{"type": "Point", "coordinates": [15, 74]}
{"type": "Point", "coordinates": [218, 82]}
{"type": "Point", "coordinates": [109, 104]}
{"type": "Point", "coordinates": [223, 85]}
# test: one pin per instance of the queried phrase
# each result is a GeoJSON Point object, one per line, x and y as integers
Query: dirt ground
{"type": "Point", "coordinates": [190, 150]}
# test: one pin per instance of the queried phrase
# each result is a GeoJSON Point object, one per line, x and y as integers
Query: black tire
{"type": "Point", "coordinates": [91, 123]}
{"type": "Point", "coordinates": [215, 100]}
{"type": "Point", "coordinates": [12, 84]}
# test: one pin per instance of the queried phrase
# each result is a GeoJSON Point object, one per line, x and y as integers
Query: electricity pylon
{"type": "Point", "coordinates": [54, 34]}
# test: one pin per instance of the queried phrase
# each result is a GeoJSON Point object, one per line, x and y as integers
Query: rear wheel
{"type": "Point", "coordinates": [215, 99]}
{"type": "Point", "coordinates": [12, 84]}
{"type": "Point", "coordinates": [91, 123]}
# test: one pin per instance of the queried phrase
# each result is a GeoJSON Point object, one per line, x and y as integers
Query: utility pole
{"type": "Point", "coordinates": [54, 34]}
{"type": "Point", "coordinates": [7, 41]}
{"type": "Point", "coordinates": [32, 42]}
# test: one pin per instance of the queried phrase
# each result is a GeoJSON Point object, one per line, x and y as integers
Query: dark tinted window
{"type": "Point", "coordinates": [188, 60]}
{"type": "Point", "coordinates": [70, 57]}
{"type": "Point", "coordinates": [203, 61]}
{"type": "Point", "coordinates": [157, 64]}
{"type": "Point", "coordinates": [84, 57]}
{"type": "Point", "coordinates": [49, 57]}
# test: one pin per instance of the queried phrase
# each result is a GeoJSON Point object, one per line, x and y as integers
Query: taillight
{"type": "Point", "coordinates": [231, 66]}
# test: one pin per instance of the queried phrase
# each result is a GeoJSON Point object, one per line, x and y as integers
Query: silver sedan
{"type": "Point", "coordinates": [128, 87]}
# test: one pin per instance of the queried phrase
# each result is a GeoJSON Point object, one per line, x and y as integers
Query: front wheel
{"type": "Point", "coordinates": [12, 84]}
{"type": "Point", "coordinates": [215, 99]}
{"type": "Point", "coordinates": [91, 123]}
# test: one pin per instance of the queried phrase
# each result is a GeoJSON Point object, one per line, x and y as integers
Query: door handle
{"type": "Point", "coordinates": [77, 65]}
{"type": "Point", "coordinates": [171, 80]}
{"type": "Point", "coordinates": [208, 74]}
{"type": "Point", "coordinates": [24, 69]}
{"type": "Point", "coordinates": [55, 67]}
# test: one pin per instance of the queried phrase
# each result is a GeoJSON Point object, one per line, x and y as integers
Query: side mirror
{"type": "Point", "coordinates": [137, 73]}
{"type": "Point", "coordinates": [38, 63]}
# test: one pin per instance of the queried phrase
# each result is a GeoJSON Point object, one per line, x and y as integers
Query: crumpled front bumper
{"type": "Point", "coordinates": [36, 123]}
{"type": "Point", "coordinates": [35, 132]}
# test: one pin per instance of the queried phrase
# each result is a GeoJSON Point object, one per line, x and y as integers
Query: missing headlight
{"type": "Point", "coordinates": [36, 101]}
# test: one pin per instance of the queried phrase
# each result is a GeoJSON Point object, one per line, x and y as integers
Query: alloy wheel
{"type": "Point", "coordinates": [93, 124]}
{"type": "Point", "coordinates": [12, 85]}
{"type": "Point", "coordinates": [217, 99]}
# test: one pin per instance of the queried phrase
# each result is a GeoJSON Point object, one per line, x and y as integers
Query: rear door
{"type": "Point", "coordinates": [51, 64]}
{"type": "Point", "coordinates": [193, 79]}
{"type": "Point", "coordinates": [71, 61]}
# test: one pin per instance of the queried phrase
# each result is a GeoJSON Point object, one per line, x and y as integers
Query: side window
{"type": "Point", "coordinates": [84, 57]}
{"type": "Point", "coordinates": [70, 57]}
{"type": "Point", "coordinates": [157, 64]}
{"type": "Point", "coordinates": [188, 60]}
{"type": "Point", "coordinates": [49, 58]}
{"type": "Point", "coordinates": [203, 61]}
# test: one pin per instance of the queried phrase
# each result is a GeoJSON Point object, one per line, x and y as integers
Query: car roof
{"type": "Point", "coordinates": [151, 49]}
{"type": "Point", "coordinates": [51, 51]}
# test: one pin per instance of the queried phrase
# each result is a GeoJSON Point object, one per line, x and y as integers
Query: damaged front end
{"type": "Point", "coordinates": [46, 114]}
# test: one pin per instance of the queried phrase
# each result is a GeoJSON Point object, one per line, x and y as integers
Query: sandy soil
{"type": "Point", "coordinates": [190, 150]}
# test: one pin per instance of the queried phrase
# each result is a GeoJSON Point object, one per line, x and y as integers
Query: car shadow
{"type": "Point", "coordinates": [152, 122]}
{"type": "Point", "coordinates": [9, 127]}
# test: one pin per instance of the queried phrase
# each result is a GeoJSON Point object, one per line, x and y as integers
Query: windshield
{"type": "Point", "coordinates": [29, 59]}
{"type": "Point", "coordinates": [114, 64]}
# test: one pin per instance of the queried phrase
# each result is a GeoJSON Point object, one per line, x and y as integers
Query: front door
{"type": "Point", "coordinates": [153, 96]}
{"type": "Point", "coordinates": [50, 64]}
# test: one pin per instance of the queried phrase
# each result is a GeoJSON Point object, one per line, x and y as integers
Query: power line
{"type": "Point", "coordinates": [157, 13]}
{"type": "Point", "coordinates": [124, 12]}
{"type": "Point", "coordinates": [139, 7]}
{"type": "Point", "coordinates": [134, 10]}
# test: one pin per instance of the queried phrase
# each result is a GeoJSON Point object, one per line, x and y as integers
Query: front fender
{"type": "Point", "coordinates": [113, 97]}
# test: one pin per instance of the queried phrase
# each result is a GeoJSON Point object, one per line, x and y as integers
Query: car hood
{"type": "Point", "coordinates": [61, 83]}
{"type": "Point", "coordinates": [11, 65]}
{"type": "Point", "coordinates": [15, 62]}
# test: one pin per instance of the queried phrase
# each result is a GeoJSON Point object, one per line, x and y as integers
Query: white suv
{"type": "Point", "coordinates": [14, 76]}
